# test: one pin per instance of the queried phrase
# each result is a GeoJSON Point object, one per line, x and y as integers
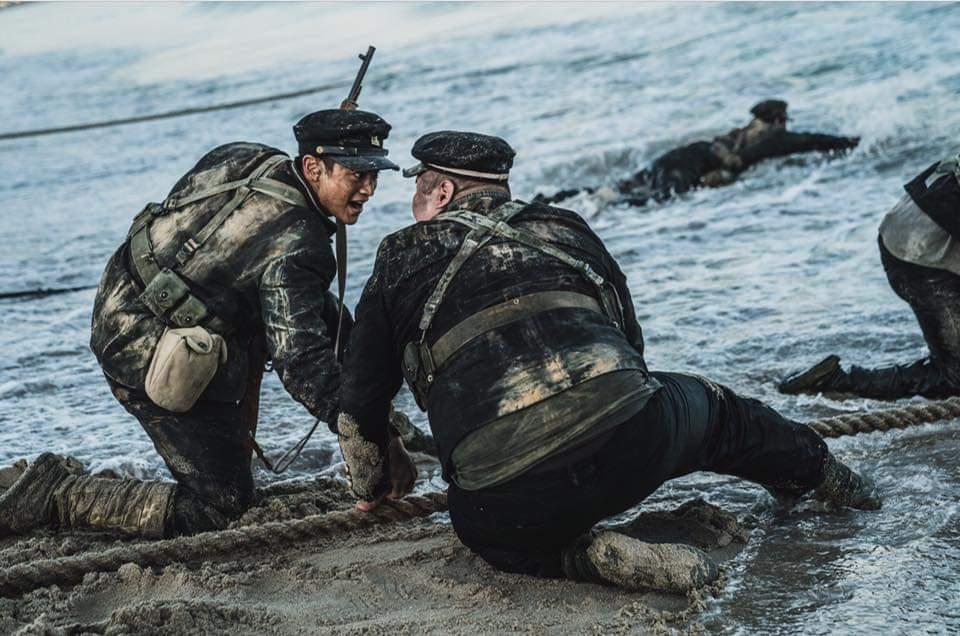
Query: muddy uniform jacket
{"type": "Point", "coordinates": [266, 270]}
{"type": "Point", "coordinates": [511, 371]}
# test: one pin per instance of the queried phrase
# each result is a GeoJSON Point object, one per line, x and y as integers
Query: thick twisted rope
{"type": "Point", "coordinates": [69, 570]}
{"type": "Point", "coordinates": [900, 417]}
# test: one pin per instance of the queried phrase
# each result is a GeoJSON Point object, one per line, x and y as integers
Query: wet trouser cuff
{"type": "Point", "coordinates": [576, 563]}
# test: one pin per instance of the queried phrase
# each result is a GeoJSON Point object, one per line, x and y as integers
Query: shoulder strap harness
{"type": "Point", "coordinates": [165, 293]}
{"type": "Point", "coordinates": [421, 361]}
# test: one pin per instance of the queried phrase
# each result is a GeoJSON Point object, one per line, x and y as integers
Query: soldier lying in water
{"type": "Point", "coordinates": [720, 161]}
{"type": "Point", "coordinates": [515, 328]}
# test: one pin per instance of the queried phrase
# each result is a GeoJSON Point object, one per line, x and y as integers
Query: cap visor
{"type": "Point", "coordinates": [365, 164]}
{"type": "Point", "coordinates": [414, 170]}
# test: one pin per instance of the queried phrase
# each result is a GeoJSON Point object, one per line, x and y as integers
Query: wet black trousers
{"type": "Point", "coordinates": [934, 296]}
{"type": "Point", "coordinates": [207, 452]}
{"type": "Point", "coordinates": [691, 424]}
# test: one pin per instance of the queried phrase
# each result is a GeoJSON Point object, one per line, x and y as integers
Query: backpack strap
{"type": "Point", "coordinates": [242, 189]}
{"type": "Point", "coordinates": [476, 238]}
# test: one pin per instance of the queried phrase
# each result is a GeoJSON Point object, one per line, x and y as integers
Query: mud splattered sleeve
{"type": "Point", "coordinates": [372, 374]}
{"type": "Point", "coordinates": [293, 293]}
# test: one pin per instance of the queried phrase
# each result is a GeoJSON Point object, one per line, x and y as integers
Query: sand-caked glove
{"type": "Point", "coordinates": [366, 463]}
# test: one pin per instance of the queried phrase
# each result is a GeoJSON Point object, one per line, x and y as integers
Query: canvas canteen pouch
{"type": "Point", "coordinates": [183, 364]}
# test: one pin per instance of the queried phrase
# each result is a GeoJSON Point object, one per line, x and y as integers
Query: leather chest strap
{"type": "Point", "coordinates": [503, 314]}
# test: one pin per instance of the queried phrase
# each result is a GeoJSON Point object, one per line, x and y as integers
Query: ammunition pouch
{"type": "Point", "coordinates": [170, 300]}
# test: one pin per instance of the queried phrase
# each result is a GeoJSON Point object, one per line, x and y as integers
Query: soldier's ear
{"type": "Point", "coordinates": [445, 192]}
{"type": "Point", "coordinates": [312, 167]}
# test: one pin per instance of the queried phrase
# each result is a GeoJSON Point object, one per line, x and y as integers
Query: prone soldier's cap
{"type": "Point", "coordinates": [464, 154]}
{"type": "Point", "coordinates": [770, 110]}
{"type": "Point", "coordinates": [352, 138]}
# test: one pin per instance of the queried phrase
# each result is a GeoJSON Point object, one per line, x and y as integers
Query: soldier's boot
{"type": "Point", "coordinates": [820, 377]}
{"type": "Point", "coordinates": [49, 493]}
{"type": "Point", "coordinates": [886, 383]}
{"type": "Point", "coordinates": [842, 486]}
{"type": "Point", "coordinates": [631, 564]}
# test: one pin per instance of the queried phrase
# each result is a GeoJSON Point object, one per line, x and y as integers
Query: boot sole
{"type": "Point", "coordinates": [806, 382]}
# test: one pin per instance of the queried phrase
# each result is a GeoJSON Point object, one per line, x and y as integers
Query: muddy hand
{"type": "Point", "coordinates": [401, 472]}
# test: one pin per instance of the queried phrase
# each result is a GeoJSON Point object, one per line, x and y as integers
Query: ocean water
{"type": "Point", "coordinates": [741, 284]}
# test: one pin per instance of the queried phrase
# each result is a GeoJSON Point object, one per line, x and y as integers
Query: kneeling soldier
{"type": "Point", "coordinates": [516, 331]}
{"type": "Point", "coordinates": [920, 253]}
{"type": "Point", "coordinates": [236, 259]}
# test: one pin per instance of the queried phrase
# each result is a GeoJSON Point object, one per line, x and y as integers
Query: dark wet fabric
{"type": "Point", "coordinates": [520, 365]}
{"type": "Point", "coordinates": [500, 451]}
{"type": "Point", "coordinates": [691, 424]}
{"type": "Point", "coordinates": [674, 172]}
{"type": "Point", "coordinates": [206, 450]}
{"type": "Point", "coordinates": [266, 270]}
{"type": "Point", "coordinates": [934, 297]}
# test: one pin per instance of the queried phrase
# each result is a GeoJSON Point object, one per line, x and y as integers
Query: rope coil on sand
{"type": "Point", "coordinates": [25, 577]}
{"type": "Point", "coordinates": [69, 570]}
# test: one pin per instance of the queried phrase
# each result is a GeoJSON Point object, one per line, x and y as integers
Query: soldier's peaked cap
{"type": "Point", "coordinates": [466, 154]}
{"type": "Point", "coordinates": [352, 138]}
{"type": "Point", "coordinates": [770, 110]}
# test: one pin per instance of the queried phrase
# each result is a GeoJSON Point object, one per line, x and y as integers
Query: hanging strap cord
{"type": "Point", "coordinates": [283, 463]}
{"type": "Point", "coordinates": [341, 246]}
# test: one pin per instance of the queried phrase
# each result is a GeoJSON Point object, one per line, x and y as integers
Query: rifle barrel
{"type": "Point", "coordinates": [358, 81]}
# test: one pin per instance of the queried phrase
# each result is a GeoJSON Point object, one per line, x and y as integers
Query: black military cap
{"type": "Point", "coordinates": [464, 154]}
{"type": "Point", "coordinates": [770, 110]}
{"type": "Point", "coordinates": [352, 138]}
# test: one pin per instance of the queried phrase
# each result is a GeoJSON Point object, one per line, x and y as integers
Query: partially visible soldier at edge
{"type": "Point", "coordinates": [235, 259]}
{"type": "Point", "coordinates": [721, 161]}
{"type": "Point", "coordinates": [919, 242]}
{"type": "Point", "coordinates": [516, 331]}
